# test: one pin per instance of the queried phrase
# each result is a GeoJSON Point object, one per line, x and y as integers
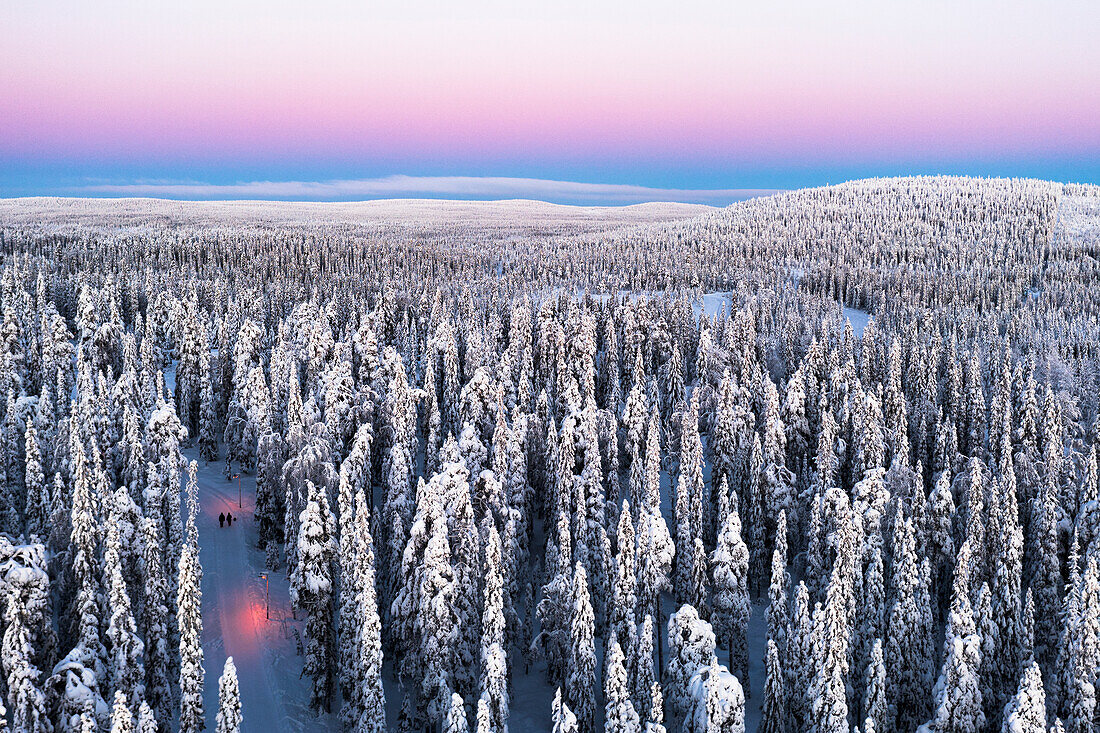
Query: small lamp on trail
{"type": "Point", "coordinates": [267, 595]}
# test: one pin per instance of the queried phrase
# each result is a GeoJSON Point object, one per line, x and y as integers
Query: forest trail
{"type": "Point", "coordinates": [233, 611]}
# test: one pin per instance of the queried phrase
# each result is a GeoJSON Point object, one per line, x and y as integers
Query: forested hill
{"type": "Point", "coordinates": [557, 469]}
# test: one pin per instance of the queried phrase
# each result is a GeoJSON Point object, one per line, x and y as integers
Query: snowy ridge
{"type": "Point", "coordinates": [90, 212]}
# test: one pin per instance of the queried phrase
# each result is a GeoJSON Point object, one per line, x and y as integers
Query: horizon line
{"type": "Point", "coordinates": [457, 188]}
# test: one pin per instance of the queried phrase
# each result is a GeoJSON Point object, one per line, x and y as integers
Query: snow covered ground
{"type": "Point", "coordinates": [858, 319]}
{"type": "Point", "coordinates": [93, 213]}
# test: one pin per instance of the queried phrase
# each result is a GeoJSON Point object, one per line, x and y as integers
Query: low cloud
{"type": "Point", "coordinates": [459, 187]}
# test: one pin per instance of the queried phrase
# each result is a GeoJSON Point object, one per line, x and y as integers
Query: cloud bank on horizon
{"type": "Point", "coordinates": [700, 95]}
{"type": "Point", "coordinates": [400, 186]}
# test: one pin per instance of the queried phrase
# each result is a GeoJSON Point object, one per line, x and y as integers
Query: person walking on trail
{"type": "Point", "coordinates": [221, 519]}
{"type": "Point", "coordinates": [229, 518]}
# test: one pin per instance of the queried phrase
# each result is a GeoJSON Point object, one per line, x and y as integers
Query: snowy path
{"type": "Point", "coordinates": [234, 622]}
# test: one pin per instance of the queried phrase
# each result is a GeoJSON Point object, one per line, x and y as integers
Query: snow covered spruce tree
{"type": "Point", "coordinates": [436, 618]}
{"type": "Point", "coordinates": [619, 714]}
{"type": "Point", "coordinates": [775, 710]}
{"type": "Point", "coordinates": [364, 703]}
{"type": "Point", "coordinates": [729, 568]}
{"type": "Point", "coordinates": [957, 695]}
{"type": "Point", "coordinates": [229, 700]}
{"type": "Point", "coordinates": [1027, 711]}
{"type": "Point", "coordinates": [313, 582]}
{"type": "Point", "coordinates": [189, 615]}
{"type": "Point", "coordinates": [25, 597]}
{"type": "Point", "coordinates": [582, 660]}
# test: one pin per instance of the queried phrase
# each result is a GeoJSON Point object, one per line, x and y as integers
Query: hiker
{"type": "Point", "coordinates": [221, 519]}
{"type": "Point", "coordinates": [229, 518]}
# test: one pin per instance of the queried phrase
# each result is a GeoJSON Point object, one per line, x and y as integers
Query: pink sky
{"type": "Point", "coordinates": [382, 83]}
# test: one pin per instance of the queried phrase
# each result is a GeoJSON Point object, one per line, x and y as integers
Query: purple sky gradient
{"type": "Point", "coordinates": [691, 95]}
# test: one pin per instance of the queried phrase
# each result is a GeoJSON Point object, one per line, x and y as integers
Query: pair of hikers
{"type": "Point", "coordinates": [223, 517]}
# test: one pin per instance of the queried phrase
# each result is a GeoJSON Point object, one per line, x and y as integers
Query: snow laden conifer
{"type": "Point", "coordinates": [655, 548]}
{"type": "Point", "coordinates": [519, 498]}
{"type": "Point", "coordinates": [987, 632]}
{"type": "Point", "coordinates": [436, 618]}
{"type": "Point", "coordinates": [775, 711]}
{"type": "Point", "coordinates": [799, 654]}
{"type": "Point", "coordinates": [1081, 647]}
{"type": "Point", "coordinates": [729, 569]}
{"type": "Point", "coordinates": [725, 434]}
{"type": "Point", "coordinates": [691, 648]}
{"type": "Point", "coordinates": [827, 697]}
{"type": "Point", "coordinates": [208, 411]}
{"type": "Point", "coordinates": [154, 620]}
{"type": "Point", "coordinates": [466, 566]}
{"type": "Point", "coordinates": [484, 718]}
{"type": "Point", "coordinates": [777, 614]}
{"type": "Point", "coordinates": [939, 537]}
{"type": "Point", "coordinates": [563, 719]}
{"type": "Point", "coordinates": [365, 709]}
{"type": "Point", "coordinates": [624, 585]}
{"type": "Point", "coordinates": [348, 592]}
{"type": "Point", "coordinates": [122, 721]}
{"type": "Point", "coordinates": [619, 713]}
{"type": "Point", "coordinates": [635, 412]}
{"type": "Point", "coordinates": [755, 501]}
{"type": "Point", "coordinates": [957, 694]}
{"type": "Point", "coordinates": [1047, 577]}
{"type": "Point", "coordinates": [494, 661]}
{"type": "Point", "coordinates": [270, 494]}
{"type": "Point", "coordinates": [723, 708]}
{"type": "Point", "coordinates": [83, 540]}
{"type": "Point", "coordinates": [189, 621]}
{"type": "Point", "coordinates": [582, 664]}
{"type": "Point", "coordinates": [688, 505]}
{"type": "Point", "coordinates": [555, 608]}
{"type": "Point", "coordinates": [656, 717]}
{"type": "Point", "coordinates": [1026, 712]}
{"type": "Point", "coordinates": [875, 709]}
{"type": "Point", "coordinates": [37, 498]}
{"type": "Point", "coordinates": [126, 647]}
{"type": "Point", "coordinates": [313, 581]}
{"type": "Point", "coordinates": [699, 592]}
{"type": "Point", "coordinates": [1007, 577]}
{"type": "Point", "coordinates": [456, 721]}
{"type": "Point", "coordinates": [908, 630]}
{"type": "Point", "coordinates": [642, 672]}
{"type": "Point", "coordinates": [25, 596]}
{"type": "Point", "coordinates": [146, 720]}
{"type": "Point", "coordinates": [229, 700]}
{"type": "Point", "coordinates": [87, 723]}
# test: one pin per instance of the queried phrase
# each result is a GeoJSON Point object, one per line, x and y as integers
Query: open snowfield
{"type": "Point", "coordinates": [519, 214]}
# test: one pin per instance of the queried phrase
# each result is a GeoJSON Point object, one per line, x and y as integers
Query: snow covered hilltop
{"type": "Point", "coordinates": [553, 468]}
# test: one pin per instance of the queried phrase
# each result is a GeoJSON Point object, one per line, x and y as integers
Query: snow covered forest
{"type": "Point", "coordinates": [823, 461]}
